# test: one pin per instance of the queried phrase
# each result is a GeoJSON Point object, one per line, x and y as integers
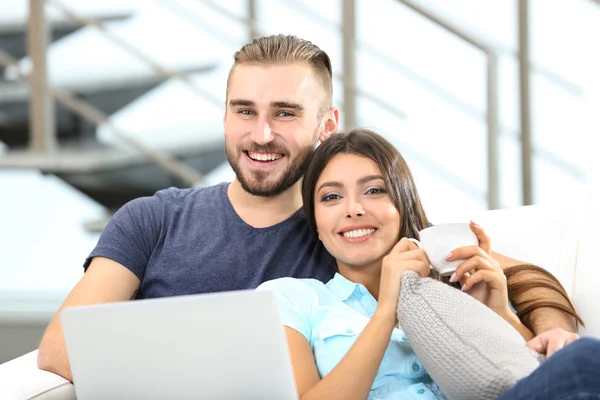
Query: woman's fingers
{"type": "Point", "coordinates": [484, 240]}
{"type": "Point", "coordinates": [403, 245]}
{"type": "Point", "coordinates": [472, 265]}
{"type": "Point", "coordinates": [466, 252]}
{"type": "Point", "coordinates": [486, 275]}
{"type": "Point", "coordinates": [418, 266]}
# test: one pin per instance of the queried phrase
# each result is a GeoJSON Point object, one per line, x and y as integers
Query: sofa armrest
{"type": "Point", "coordinates": [21, 379]}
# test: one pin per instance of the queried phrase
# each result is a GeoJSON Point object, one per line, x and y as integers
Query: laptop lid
{"type": "Point", "coordinates": [228, 345]}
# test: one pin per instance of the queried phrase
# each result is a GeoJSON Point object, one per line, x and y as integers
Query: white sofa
{"type": "Point", "coordinates": [559, 238]}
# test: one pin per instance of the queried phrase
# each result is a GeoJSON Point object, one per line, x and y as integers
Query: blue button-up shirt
{"type": "Point", "coordinates": [331, 316]}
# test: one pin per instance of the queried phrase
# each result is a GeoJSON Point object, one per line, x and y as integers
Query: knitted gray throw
{"type": "Point", "coordinates": [468, 350]}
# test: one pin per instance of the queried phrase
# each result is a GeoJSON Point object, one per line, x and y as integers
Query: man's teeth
{"type": "Point", "coordinates": [358, 233]}
{"type": "Point", "coordinates": [264, 156]}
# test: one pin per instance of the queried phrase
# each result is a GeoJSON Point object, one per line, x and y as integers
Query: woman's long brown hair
{"type": "Point", "coordinates": [516, 287]}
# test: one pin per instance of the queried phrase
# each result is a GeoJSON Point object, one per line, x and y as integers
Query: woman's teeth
{"type": "Point", "coordinates": [356, 233]}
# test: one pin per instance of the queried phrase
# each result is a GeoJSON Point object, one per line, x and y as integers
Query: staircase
{"type": "Point", "coordinates": [114, 82]}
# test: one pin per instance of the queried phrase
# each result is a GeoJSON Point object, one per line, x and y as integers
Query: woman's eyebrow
{"type": "Point", "coordinates": [331, 183]}
{"type": "Point", "coordinates": [362, 180]}
{"type": "Point", "coordinates": [369, 178]}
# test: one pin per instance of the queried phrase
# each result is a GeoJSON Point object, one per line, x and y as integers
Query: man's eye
{"type": "Point", "coordinates": [246, 112]}
{"type": "Point", "coordinates": [285, 114]}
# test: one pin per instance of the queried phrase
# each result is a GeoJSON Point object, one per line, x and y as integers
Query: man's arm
{"type": "Point", "coordinates": [541, 319]}
{"type": "Point", "coordinates": [105, 281]}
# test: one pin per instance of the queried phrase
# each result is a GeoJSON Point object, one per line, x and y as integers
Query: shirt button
{"type": "Point", "coordinates": [404, 338]}
{"type": "Point", "coordinates": [421, 391]}
{"type": "Point", "coordinates": [416, 367]}
{"type": "Point", "coordinates": [349, 330]}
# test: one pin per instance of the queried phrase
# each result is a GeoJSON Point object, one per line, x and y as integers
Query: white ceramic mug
{"type": "Point", "coordinates": [439, 240]}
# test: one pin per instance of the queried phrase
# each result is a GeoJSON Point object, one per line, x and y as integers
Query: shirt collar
{"type": "Point", "coordinates": [341, 287]}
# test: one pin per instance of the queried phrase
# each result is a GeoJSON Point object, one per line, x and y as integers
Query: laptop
{"type": "Point", "coordinates": [228, 345]}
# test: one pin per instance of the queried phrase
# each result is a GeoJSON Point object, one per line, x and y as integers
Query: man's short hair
{"type": "Point", "coordinates": [288, 49]}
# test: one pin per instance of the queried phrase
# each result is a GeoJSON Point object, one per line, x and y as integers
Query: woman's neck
{"type": "Point", "coordinates": [367, 275]}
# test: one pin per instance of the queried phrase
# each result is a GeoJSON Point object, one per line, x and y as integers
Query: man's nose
{"type": "Point", "coordinates": [261, 134]}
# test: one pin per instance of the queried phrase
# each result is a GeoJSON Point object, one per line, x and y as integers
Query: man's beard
{"type": "Point", "coordinates": [258, 183]}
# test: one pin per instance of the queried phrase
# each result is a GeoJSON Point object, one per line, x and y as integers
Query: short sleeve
{"type": "Point", "coordinates": [294, 300]}
{"type": "Point", "coordinates": [131, 235]}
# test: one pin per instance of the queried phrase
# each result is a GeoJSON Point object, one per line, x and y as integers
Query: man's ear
{"type": "Point", "coordinates": [331, 124]}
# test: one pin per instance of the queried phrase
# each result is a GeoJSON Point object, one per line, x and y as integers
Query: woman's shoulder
{"type": "Point", "coordinates": [296, 288]}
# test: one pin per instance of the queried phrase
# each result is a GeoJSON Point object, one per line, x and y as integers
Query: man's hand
{"type": "Point", "coordinates": [551, 341]}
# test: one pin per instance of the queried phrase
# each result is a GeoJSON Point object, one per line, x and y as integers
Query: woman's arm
{"type": "Point", "coordinates": [514, 320]}
{"type": "Point", "coordinates": [353, 377]}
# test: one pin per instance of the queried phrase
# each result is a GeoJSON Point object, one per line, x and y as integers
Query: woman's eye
{"type": "Point", "coordinates": [376, 190]}
{"type": "Point", "coordinates": [329, 197]}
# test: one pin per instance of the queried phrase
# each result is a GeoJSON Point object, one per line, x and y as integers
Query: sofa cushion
{"type": "Point", "coordinates": [21, 379]}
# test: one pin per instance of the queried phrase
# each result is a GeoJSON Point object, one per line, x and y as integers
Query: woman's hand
{"type": "Point", "coordinates": [481, 275]}
{"type": "Point", "coordinates": [404, 256]}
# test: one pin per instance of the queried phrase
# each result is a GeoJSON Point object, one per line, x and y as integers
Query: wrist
{"type": "Point", "coordinates": [510, 317]}
{"type": "Point", "coordinates": [388, 315]}
{"type": "Point", "coordinates": [516, 323]}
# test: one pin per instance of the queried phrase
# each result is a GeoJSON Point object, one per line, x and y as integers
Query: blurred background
{"type": "Point", "coordinates": [493, 103]}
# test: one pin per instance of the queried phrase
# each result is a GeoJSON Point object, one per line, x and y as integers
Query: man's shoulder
{"type": "Point", "coordinates": [172, 200]}
{"type": "Point", "coordinates": [177, 195]}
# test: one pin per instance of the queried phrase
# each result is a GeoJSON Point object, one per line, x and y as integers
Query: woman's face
{"type": "Point", "coordinates": [356, 219]}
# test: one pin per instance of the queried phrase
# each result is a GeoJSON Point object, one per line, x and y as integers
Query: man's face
{"type": "Point", "coordinates": [271, 125]}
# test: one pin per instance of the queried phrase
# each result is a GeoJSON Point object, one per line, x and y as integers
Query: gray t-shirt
{"type": "Point", "coordinates": [188, 241]}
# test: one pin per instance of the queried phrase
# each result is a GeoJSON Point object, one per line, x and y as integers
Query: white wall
{"type": "Point", "coordinates": [43, 243]}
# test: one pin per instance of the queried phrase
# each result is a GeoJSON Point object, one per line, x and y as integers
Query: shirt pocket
{"type": "Point", "coordinates": [334, 339]}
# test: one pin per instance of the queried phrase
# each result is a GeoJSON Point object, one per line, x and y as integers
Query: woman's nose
{"type": "Point", "coordinates": [355, 209]}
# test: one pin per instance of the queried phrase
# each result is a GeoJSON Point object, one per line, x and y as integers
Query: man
{"type": "Point", "coordinates": [229, 237]}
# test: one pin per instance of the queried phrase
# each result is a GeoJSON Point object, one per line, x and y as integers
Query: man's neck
{"type": "Point", "coordinates": [263, 212]}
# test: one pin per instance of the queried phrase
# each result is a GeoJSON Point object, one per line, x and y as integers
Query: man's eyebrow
{"type": "Point", "coordinates": [241, 102]}
{"type": "Point", "coordinates": [287, 104]}
{"type": "Point", "coordinates": [362, 180]}
{"type": "Point", "coordinates": [275, 104]}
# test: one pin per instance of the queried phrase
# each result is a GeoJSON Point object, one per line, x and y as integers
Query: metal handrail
{"type": "Point", "coordinates": [137, 53]}
{"type": "Point", "coordinates": [87, 111]}
{"type": "Point", "coordinates": [491, 52]}
{"type": "Point", "coordinates": [350, 84]}
{"type": "Point", "coordinates": [350, 87]}
{"type": "Point", "coordinates": [493, 193]}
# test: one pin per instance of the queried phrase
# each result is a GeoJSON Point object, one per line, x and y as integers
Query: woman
{"type": "Point", "coordinates": [360, 199]}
